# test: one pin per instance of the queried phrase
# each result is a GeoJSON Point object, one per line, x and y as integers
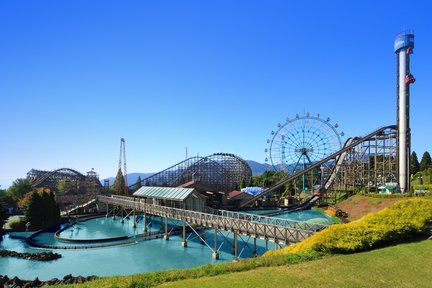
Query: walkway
{"type": "Point", "coordinates": [267, 228]}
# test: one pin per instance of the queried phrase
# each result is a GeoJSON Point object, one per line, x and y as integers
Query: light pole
{"type": "Point", "coordinates": [322, 182]}
{"type": "Point", "coordinates": [420, 183]}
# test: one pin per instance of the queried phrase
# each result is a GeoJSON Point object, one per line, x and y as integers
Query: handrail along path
{"type": "Point", "coordinates": [273, 229]}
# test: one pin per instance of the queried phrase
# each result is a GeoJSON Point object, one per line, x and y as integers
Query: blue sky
{"type": "Point", "coordinates": [213, 76]}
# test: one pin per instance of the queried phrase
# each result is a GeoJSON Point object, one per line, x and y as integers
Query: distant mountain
{"type": "Point", "coordinates": [258, 168]}
{"type": "Point", "coordinates": [132, 178]}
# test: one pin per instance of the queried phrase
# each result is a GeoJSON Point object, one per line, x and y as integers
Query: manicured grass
{"type": "Point", "coordinates": [404, 265]}
{"type": "Point", "coordinates": [156, 278]}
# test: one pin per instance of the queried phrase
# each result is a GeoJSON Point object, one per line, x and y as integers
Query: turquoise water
{"type": "Point", "coordinates": [256, 212]}
{"type": "Point", "coordinates": [305, 215]}
{"type": "Point", "coordinates": [143, 256]}
{"type": "Point", "coordinates": [103, 228]}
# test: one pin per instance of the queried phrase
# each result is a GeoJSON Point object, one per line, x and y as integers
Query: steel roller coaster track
{"type": "Point", "coordinates": [350, 144]}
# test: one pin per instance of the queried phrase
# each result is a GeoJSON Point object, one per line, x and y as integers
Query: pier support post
{"type": "Point", "coordinates": [235, 246]}
{"type": "Point", "coordinates": [134, 224]}
{"type": "Point", "coordinates": [122, 219]}
{"type": "Point", "coordinates": [166, 236]}
{"type": "Point", "coordinates": [184, 242]}
{"type": "Point", "coordinates": [145, 222]}
{"type": "Point", "coordinates": [254, 247]}
{"type": "Point", "coordinates": [215, 254]}
{"type": "Point", "coordinates": [202, 235]}
{"type": "Point", "coordinates": [160, 223]}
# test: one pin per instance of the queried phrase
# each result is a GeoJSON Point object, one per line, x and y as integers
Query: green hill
{"type": "Point", "coordinates": [404, 265]}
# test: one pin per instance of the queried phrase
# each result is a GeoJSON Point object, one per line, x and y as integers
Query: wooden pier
{"type": "Point", "coordinates": [276, 230]}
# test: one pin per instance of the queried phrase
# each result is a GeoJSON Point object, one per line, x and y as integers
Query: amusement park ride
{"type": "Point", "coordinates": [310, 145]}
{"type": "Point", "coordinates": [302, 141]}
{"type": "Point", "coordinates": [308, 148]}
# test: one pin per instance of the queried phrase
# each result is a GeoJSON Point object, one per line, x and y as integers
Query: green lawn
{"type": "Point", "coordinates": [405, 265]}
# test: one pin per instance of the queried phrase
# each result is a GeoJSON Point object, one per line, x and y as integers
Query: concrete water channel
{"type": "Point", "coordinates": [105, 247]}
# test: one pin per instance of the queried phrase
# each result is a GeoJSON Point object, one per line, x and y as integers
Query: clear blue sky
{"type": "Point", "coordinates": [215, 76]}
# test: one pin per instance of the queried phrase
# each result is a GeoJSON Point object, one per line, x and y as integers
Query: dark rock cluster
{"type": "Point", "coordinates": [43, 256]}
{"type": "Point", "coordinates": [19, 283]}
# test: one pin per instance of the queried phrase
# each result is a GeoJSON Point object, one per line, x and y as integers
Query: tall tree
{"type": "Point", "coordinates": [34, 210]}
{"type": "Point", "coordinates": [61, 185]}
{"type": "Point", "coordinates": [119, 183]}
{"type": "Point", "coordinates": [19, 188]}
{"type": "Point", "coordinates": [3, 217]}
{"type": "Point", "coordinates": [137, 184]}
{"type": "Point", "coordinates": [414, 163]}
{"type": "Point", "coordinates": [6, 200]}
{"type": "Point", "coordinates": [426, 161]}
{"type": "Point", "coordinates": [41, 210]}
{"type": "Point", "coordinates": [55, 208]}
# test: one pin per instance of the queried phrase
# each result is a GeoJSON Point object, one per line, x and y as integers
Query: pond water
{"type": "Point", "coordinates": [306, 215]}
{"type": "Point", "coordinates": [141, 256]}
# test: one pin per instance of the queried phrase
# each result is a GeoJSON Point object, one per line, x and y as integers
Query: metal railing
{"type": "Point", "coordinates": [281, 222]}
{"type": "Point", "coordinates": [275, 229]}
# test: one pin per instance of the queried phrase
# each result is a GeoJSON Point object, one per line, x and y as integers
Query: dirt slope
{"type": "Point", "coordinates": [357, 206]}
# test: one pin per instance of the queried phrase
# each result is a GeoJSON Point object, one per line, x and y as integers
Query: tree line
{"type": "Point", "coordinates": [39, 206]}
{"type": "Point", "coordinates": [416, 166]}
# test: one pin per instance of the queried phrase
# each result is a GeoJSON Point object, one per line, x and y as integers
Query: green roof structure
{"type": "Point", "coordinates": [166, 193]}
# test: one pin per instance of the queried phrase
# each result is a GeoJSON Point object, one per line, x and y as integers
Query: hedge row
{"type": "Point", "coordinates": [397, 222]}
{"type": "Point", "coordinates": [387, 196]}
{"type": "Point", "coordinates": [423, 187]}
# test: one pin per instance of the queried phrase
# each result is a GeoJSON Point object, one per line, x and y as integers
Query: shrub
{"type": "Point", "coordinates": [397, 222]}
{"type": "Point", "coordinates": [427, 187]}
{"type": "Point", "coordinates": [17, 224]}
{"type": "Point", "coordinates": [387, 196]}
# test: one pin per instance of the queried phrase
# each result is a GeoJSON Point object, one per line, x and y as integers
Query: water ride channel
{"type": "Point", "coordinates": [104, 246]}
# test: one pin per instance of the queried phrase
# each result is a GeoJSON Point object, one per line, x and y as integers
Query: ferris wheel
{"type": "Point", "coordinates": [301, 141]}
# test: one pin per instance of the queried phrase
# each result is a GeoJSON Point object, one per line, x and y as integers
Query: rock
{"type": "Point", "coordinates": [79, 279]}
{"type": "Point", "coordinates": [53, 281]}
{"type": "Point", "coordinates": [3, 279]}
{"type": "Point", "coordinates": [17, 282]}
{"type": "Point", "coordinates": [14, 282]}
{"type": "Point", "coordinates": [36, 282]}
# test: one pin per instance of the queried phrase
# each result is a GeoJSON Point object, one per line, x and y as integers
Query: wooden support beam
{"type": "Point", "coordinates": [202, 238]}
{"type": "Point", "coordinates": [215, 254]}
{"type": "Point", "coordinates": [184, 241]}
{"type": "Point", "coordinates": [166, 236]}
{"type": "Point", "coordinates": [145, 222]}
{"type": "Point", "coordinates": [235, 246]}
